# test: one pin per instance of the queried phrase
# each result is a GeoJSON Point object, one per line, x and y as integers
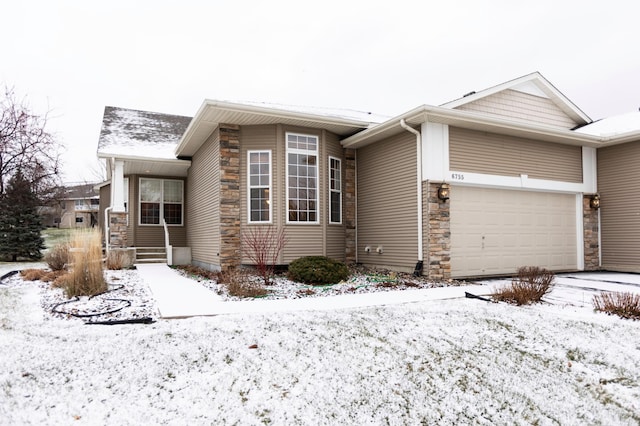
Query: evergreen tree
{"type": "Point", "coordinates": [20, 223]}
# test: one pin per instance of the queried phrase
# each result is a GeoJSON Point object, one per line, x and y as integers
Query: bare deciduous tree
{"type": "Point", "coordinates": [262, 245]}
{"type": "Point", "coordinates": [26, 147]}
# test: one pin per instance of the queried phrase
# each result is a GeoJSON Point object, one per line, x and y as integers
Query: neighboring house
{"type": "Point", "coordinates": [497, 179]}
{"type": "Point", "coordinates": [79, 207]}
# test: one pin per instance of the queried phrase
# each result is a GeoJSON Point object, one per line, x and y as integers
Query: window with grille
{"type": "Point", "coordinates": [161, 199]}
{"type": "Point", "coordinates": [259, 186]}
{"type": "Point", "coordinates": [335, 190]}
{"type": "Point", "coordinates": [302, 178]}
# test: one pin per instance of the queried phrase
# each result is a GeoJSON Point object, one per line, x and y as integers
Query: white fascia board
{"type": "Point", "coordinates": [173, 161]}
{"type": "Point", "coordinates": [391, 124]}
{"type": "Point", "coordinates": [247, 111]}
{"type": "Point", "coordinates": [468, 119]}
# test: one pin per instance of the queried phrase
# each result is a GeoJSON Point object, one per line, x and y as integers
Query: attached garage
{"type": "Point", "coordinates": [495, 231]}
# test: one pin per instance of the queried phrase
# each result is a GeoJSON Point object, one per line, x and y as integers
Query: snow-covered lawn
{"type": "Point", "coordinates": [440, 362]}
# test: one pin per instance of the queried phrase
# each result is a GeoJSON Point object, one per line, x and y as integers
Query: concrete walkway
{"type": "Point", "coordinates": [180, 297]}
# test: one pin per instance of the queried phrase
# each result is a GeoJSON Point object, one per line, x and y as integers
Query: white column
{"type": "Point", "coordinates": [117, 186]}
{"type": "Point", "coordinates": [435, 151]}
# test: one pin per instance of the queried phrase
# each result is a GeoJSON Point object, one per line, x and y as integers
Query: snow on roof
{"type": "Point", "coordinates": [80, 191]}
{"type": "Point", "coordinates": [140, 133]}
{"type": "Point", "coordinates": [341, 113]}
{"type": "Point", "coordinates": [611, 126]}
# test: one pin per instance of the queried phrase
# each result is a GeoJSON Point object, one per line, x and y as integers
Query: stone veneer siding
{"type": "Point", "coordinates": [591, 235]}
{"type": "Point", "coordinates": [350, 205]}
{"type": "Point", "coordinates": [117, 229]}
{"type": "Point", "coordinates": [229, 196]}
{"type": "Point", "coordinates": [438, 265]}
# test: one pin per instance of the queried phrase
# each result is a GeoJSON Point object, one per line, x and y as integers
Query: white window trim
{"type": "Point", "coordinates": [308, 152]}
{"type": "Point", "coordinates": [339, 191]}
{"type": "Point", "coordinates": [161, 202]}
{"type": "Point", "coordinates": [79, 205]}
{"type": "Point", "coordinates": [249, 187]}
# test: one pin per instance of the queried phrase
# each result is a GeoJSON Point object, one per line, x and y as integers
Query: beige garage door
{"type": "Point", "coordinates": [495, 231]}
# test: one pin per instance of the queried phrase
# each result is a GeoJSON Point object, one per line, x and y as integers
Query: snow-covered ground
{"type": "Point", "coordinates": [457, 361]}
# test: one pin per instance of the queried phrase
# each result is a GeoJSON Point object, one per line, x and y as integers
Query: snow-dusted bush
{"type": "Point", "coordinates": [623, 304]}
{"type": "Point", "coordinates": [318, 270]}
{"type": "Point", "coordinates": [58, 257]}
{"type": "Point", "coordinates": [529, 286]}
{"type": "Point", "coordinates": [240, 284]}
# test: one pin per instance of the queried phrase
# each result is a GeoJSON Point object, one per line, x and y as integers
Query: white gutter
{"type": "Point", "coordinates": [107, 231]}
{"type": "Point", "coordinates": [419, 185]}
{"type": "Point", "coordinates": [467, 119]}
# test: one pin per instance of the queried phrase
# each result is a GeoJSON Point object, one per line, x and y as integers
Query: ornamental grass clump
{"type": "Point", "coordinates": [85, 277]}
{"type": "Point", "coordinates": [529, 286]}
{"type": "Point", "coordinates": [623, 304]}
{"type": "Point", "coordinates": [318, 270]}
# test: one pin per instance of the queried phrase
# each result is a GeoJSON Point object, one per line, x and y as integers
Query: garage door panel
{"type": "Point", "coordinates": [496, 231]}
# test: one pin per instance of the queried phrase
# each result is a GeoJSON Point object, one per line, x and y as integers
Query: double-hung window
{"type": "Point", "coordinates": [302, 178]}
{"type": "Point", "coordinates": [335, 190]}
{"type": "Point", "coordinates": [161, 199]}
{"type": "Point", "coordinates": [259, 180]}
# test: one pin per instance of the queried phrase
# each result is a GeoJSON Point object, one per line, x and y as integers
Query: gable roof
{"type": "Point", "coordinates": [144, 139]}
{"type": "Point", "coordinates": [79, 192]}
{"type": "Point", "coordinates": [133, 133]}
{"type": "Point", "coordinates": [212, 113]}
{"type": "Point", "coordinates": [533, 84]}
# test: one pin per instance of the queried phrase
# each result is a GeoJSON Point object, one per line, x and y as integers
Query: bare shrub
{"type": "Point", "coordinates": [239, 283]}
{"type": "Point", "coordinates": [86, 276]}
{"type": "Point", "coordinates": [58, 257]}
{"type": "Point", "coordinates": [529, 286]}
{"type": "Point", "coordinates": [262, 245]}
{"type": "Point", "coordinates": [623, 304]}
{"type": "Point", "coordinates": [199, 272]}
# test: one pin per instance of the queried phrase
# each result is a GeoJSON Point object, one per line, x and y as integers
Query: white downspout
{"type": "Point", "coordinates": [419, 185]}
{"type": "Point", "coordinates": [355, 201]}
{"type": "Point", "coordinates": [107, 239]}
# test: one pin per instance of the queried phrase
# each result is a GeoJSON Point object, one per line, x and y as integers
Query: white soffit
{"type": "Point", "coordinates": [213, 113]}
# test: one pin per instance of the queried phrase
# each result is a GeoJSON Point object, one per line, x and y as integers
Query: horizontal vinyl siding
{"type": "Point", "coordinates": [619, 188]}
{"type": "Point", "coordinates": [203, 213]}
{"type": "Point", "coordinates": [335, 236]}
{"type": "Point", "coordinates": [387, 217]}
{"type": "Point", "coordinates": [302, 239]}
{"type": "Point", "coordinates": [523, 106]}
{"type": "Point", "coordinates": [494, 154]}
{"type": "Point", "coordinates": [259, 138]}
{"type": "Point", "coordinates": [105, 201]}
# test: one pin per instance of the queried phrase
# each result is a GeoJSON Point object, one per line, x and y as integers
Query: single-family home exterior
{"type": "Point", "coordinates": [76, 207]}
{"type": "Point", "coordinates": [510, 176]}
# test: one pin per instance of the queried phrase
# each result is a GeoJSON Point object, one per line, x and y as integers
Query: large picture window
{"type": "Point", "coordinates": [259, 186]}
{"type": "Point", "coordinates": [161, 199]}
{"type": "Point", "coordinates": [302, 178]}
{"type": "Point", "coordinates": [335, 190]}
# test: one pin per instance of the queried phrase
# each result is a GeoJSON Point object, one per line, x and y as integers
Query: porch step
{"type": "Point", "coordinates": [151, 255]}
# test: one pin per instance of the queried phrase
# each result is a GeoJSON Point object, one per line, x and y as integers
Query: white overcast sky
{"type": "Point", "coordinates": [75, 57]}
